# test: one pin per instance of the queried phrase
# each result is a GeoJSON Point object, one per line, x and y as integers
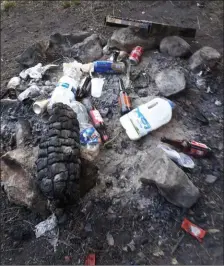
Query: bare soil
{"type": "Point", "coordinates": [31, 21]}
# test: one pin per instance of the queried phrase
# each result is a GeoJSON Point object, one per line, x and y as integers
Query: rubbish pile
{"type": "Point", "coordinates": [104, 90]}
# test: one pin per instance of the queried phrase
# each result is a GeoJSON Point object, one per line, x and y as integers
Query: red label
{"type": "Point", "coordinates": [96, 117]}
{"type": "Point", "coordinates": [136, 53]}
{"type": "Point", "coordinates": [199, 144]}
{"type": "Point", "coordinates": [193, 229]}
{"type": "Point", "coordinates": [90, 260]}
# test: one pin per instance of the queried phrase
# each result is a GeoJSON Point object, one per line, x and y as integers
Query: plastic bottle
{"type": "Point", "coordinates": [124, 99]}
{"type": "Point", "coordinates": [80, 111]}
{"type": "Point", "coordinates": [147, 117]}
{"type": "Point", "coordinates": [99, 123]}
{"type": "Point", "coordinates": [64, 91]}
{"type": "Point", "coordinates": [191, 147]}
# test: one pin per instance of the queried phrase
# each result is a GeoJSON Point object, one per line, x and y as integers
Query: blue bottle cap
{"type": "Point", "coordinates": [172, 104]}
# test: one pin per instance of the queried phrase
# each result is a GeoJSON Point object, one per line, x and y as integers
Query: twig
{"type": "Point", "coordinates": [177, 244]}
{"type": "Point", "coordinates": [198, 23]}
{"type": "Point", "coordinates": [172, 3]}
{"type": "Point", "coordinates": [112, 139]}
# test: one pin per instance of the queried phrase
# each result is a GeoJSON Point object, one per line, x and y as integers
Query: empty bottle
{"type": "Point", "coordinates": [147, 117]}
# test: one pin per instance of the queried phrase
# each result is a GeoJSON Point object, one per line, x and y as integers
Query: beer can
{"type": "Point", "coordinates": [135, 55]}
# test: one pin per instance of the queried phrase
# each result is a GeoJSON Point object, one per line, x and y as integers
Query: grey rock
{"type": "Point", "coordinates": [17, 170]}
{"type": "Point", "coordinates": [14, 82]}
{"type": "Point", "coordinates": [204, 58]}
{"type": "Point", "coordinates": [142, 93]}
{"type": "Point", "coordinates": [170, 81]}
{"type": "Point", "coordinates": [33, 54]}
{"type": "Point", "coordinates": [210, 179]}
{"type": "Point", "coordinates": [88, 227]}
{"type": "Point", "coordinates": [23, 132]}
{"type": "Point", "coordinates": [88, 50]}
{"type": "Point", "coordinates": [174, 46]}
{"type": "Point", "coordinates": [65, 40]}
{"type": "Point", "coordinates": [104, 112]}
{"type": "Point", "coordinates": [47, 83]}
{"type": "Point", "coordinates": [127, 38]}
{"type": "Point", "coordinates": [218, 103]}
{"type": "Point", "coordinates": [58, 45]}
{"type": "Point", "coordinates": [172, 182]}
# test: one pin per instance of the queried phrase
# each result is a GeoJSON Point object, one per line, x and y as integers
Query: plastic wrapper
{"type": "Point", "coordinates": [36, 72]}
{"type": "Point", "coordinates": [90, 142]}
{"type": "Point", "coordinates": [81, 112]}
{"type": "Point", "coordinates": [180, 158]}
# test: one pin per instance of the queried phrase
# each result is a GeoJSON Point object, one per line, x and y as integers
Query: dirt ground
{"type": "Point", "coordinates": [30, 21]}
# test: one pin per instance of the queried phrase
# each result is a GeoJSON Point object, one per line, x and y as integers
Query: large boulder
{"type": "Point", "coordinates": [170, 81]}
{"type": "Point", "coordinates": [203, 58]}
{"type": "Point", "coordinates": [88, 50]}
{"type": "Point", "coordinates": [172, 182]}
{"type": "Point", "coordinates": [17, 171]}
{"type": "Point", "coordinates": [46, 51]}
{"type": "Point", "coordinates": [175, 46]}
{"type": "Point", "coordinates": [127, 38]}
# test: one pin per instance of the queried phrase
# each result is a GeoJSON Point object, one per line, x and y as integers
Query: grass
{"type": "Point", "coordinates": [6, 5]}
{"type": "Point", "coordinates": [67, 4]}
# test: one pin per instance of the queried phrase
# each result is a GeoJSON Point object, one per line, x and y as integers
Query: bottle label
{"type": "Point", "coordinates": [140, 123]}
{"type": "Point", "coordinates": [96, 116]}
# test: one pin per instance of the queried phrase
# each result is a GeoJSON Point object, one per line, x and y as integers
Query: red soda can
{"type": "Point", "coordinates": [135, 55]}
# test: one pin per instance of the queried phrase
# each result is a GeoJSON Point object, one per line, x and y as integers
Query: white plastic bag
{"type": "Point", "coordinates": [97, 87]}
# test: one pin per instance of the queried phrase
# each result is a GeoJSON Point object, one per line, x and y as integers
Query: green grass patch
{"type": "Point", "coordinates": [6, 5]}
{"type": "Point", "coordinates": [67, 4]}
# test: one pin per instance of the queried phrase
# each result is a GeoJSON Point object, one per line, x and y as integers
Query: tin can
{"type": "Point", "coordinates": [135, 55]}
{"type": "Point", "coordinates": [109, 67]}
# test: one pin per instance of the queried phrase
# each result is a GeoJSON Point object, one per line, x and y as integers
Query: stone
{"type": "Point", "coordinates": [206, 57]}
{"type": "Point", "coordinates": [47, 83]}
{"type": "Point", "coordinates": [171, 181]}
{"type": "Point", "coordinates": [210, 179]}
{"type": "Point", "coordinates": [57, 46]}
{"type": "Point", "coordinates": [13, 83]}
{"type": "Point", "coordinates": [175, 46]}
{"type": "Point", "coordinates": [142, 93]}
{"type": "Point", "coordinates": [170, 82]}
{"type": "Point", "coordinates": [23, 132]}
{"type": "Point", "coordinates": [89, 50]}
{"type": "Point", "coordinates": [110, 239]}
{"type": "Point", "coordinates": [17, 170]}
{"type": "Point", "coordinates": [33, 55]}
{"type": "Point", "coordinates": [126, 39]}
{"type": "Point", "coordinates": [218, 103]}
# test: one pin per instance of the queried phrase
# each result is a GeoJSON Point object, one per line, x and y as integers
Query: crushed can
{"type": "Point", "coordinates": [136, 55]}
